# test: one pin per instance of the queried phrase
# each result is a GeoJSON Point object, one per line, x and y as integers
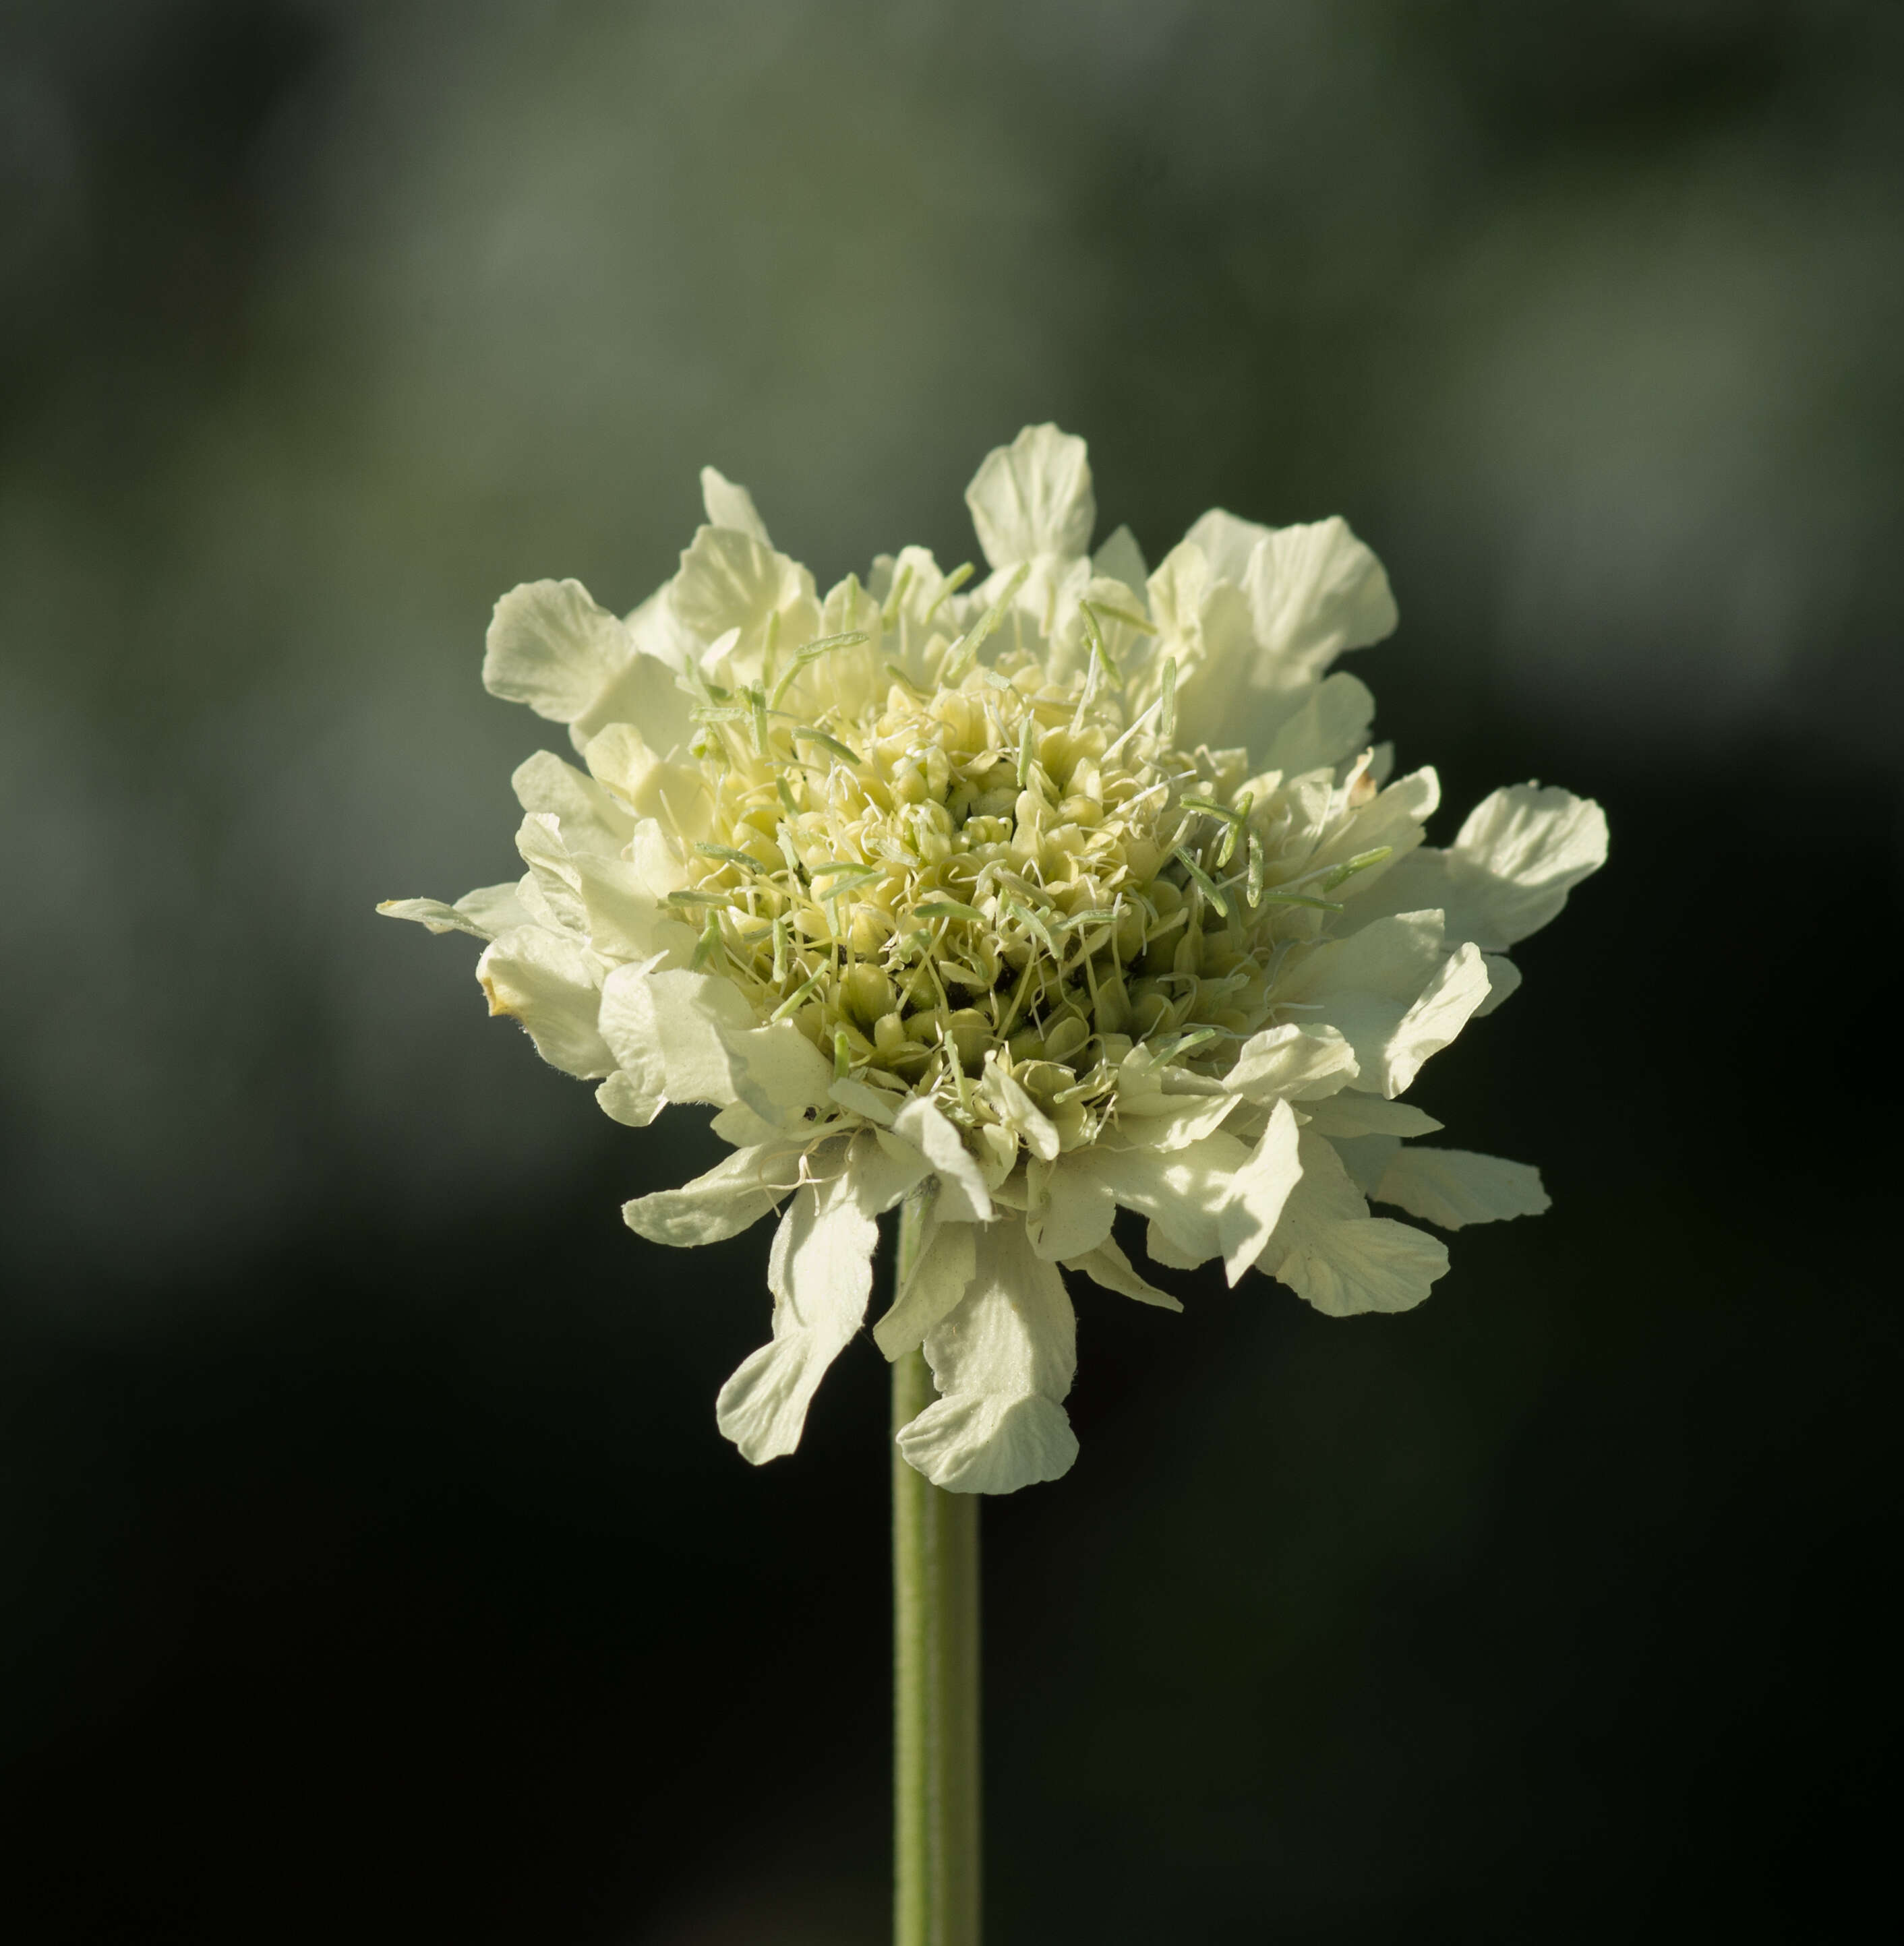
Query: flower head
{"type": "Point", "coordinates": [1080, 889]}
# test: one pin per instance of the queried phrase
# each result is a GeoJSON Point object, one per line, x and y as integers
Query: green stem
{"type": "Point", "coordinates": [935, 1682]}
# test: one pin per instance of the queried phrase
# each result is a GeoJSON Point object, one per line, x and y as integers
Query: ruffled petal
{"type": "Point", "coordinates": [731, 506]}
{"type": "Point", "coordinates": [709, 1049]}
{"type": "Point", "coordinates": [542, 980]}
{"type": "Point", "coordinates": [550, 646]}
{"type": "Point", "coordinates": [1299, 1063]}
{"type": "Point", "coordinates": [589, 819]}
{"type": "Point", "coordinates": [1315, 590]}
{"type": "Point", "coordinates": [1456, 1186]}
{"type": "Point", "coordinates": [1333, 1254]}
{"type": "Point", "coordinates": [1109, 1266]}
{"type": "Point", "coordinates": [483, 913]}
{"type": "Point", "coordinates": [1182, 1190]}
{"type": "Point", "coordinates": [1033, 497]}
{"type": "Point", "coordinates": [1003, 1362]}
{"type": "Point", "coordinates": [821, 1273]}
{"type": "Point", "coordinates": [942, 1269]}
{"type": "Point", "coordinates": [963, 1196]}
{"type": "Point", "coordinates": [1258, 1191]}
{"type": "Point", "coordinates": [730, 1197]}
{"type": "Point", "coordinates": [1075, 1217]}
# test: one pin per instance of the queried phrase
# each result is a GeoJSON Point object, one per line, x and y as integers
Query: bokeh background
{"type": "Point", "coordinates": [373, 1568]}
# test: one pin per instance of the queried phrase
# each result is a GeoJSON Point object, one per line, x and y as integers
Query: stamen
{"type": "Point", "coordinates": [1205, 884]}
{"type": "Point", "coordinates": [956, 580]}
{"type": "Point", "coordinates": [965, 651]}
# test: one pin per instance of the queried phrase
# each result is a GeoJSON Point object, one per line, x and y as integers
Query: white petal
{"type": "Point", "coordinates": [1107, 1266]}
{"type": "Point", "coordinates": [1330, 722]}
{"type": "Point", "coordinates": [1121, 559]}
{"type": "Point", "coordinates": [1003, 1361]}
{"type": "Point", "coordinates": [962, 1197]}
{"type": "Point", "coordinates": [941, 1271]}
{"type": "Point", "coordinates": [551, 647]}
{"type": "Point", "coordinates": [1033, 497]}
{"type": "Point", "coordinates": [702, 1032]}
{"type": "Point", "coordinates": [484, 912]}
{"type": "Point", "coordinates": [1454, 1186]}
{"type": "Point", "coordinates": [821, 1273]}
{"type": "Point", "coordinates": [588, 818]}
{"type": "Point", "coordinates": [1160, 1249]}
{"type": "Point", "coordinates": [1258, 1191]}
{"type": "Point", "coordinates": [1446, 1004]}
{"type": "Point", "coordinates": [647, 692]}
{"type": "Point", "coordinates": [622, 1099]}
{"type": "Point", "coordinates": [1227, 542]}
{"type": "Point", "coordinates": [1076, 1218]}
{"type": "Point", "coordinates": [1332, 1252]}
{"type": "Point", "coordinates": [542, 980]}
{"type": "Point", "coordinates": [1300, 1062]}
{"type": "Point", "coordinates": [1352, 1114]}
{"type": "Point", "coordinates": [729, 580]}
{"type": "Point", "coordinates": [1510, 870]}
{"type": "Point", "coordinates": [1520, 852]}
{"type": "Point", "coordinates": [731, 506]}
{"type": "Point", "coordinates": [729, 1198]}
{"type": "Point", "coordinates": [1503, 981]}
{"type": "Point", "coordinates": [1392, 991]}
{"type": "Point", "coordinates": [1182, 1190]}
{"type": "Point", "coordinates": [1314, 592]}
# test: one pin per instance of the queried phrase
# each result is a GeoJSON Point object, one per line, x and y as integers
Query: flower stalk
{"type": "Point", "coordinates": [936, 1828]}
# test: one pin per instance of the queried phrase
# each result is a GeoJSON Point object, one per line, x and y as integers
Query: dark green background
{"type": "Point", "coordinates": [373, 1568]}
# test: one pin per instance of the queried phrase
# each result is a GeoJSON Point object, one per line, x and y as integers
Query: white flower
{"type": "Point", "coordinates": [1081, 889]}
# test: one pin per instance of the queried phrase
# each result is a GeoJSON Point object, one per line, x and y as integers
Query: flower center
{"type": "Point", "coordinates": [998, 866]}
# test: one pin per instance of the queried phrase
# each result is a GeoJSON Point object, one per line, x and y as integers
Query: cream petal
{"type": "Point", "coordinates": [1520, 852]}
{"type": "Point", "coordinates": [589, 819]}
{"type": "Point", "coordinates": [1107, 1266]}
{"type": "Point", "coordinates": [710, 1048]}
{"type": "Point", "coordinates": [1258, 1191]}
{"type": "Point", "coordinates": [485, 912]}
{"type": "Point", "coordinates": [1158, 1247]}
{"type": "Point", "coordinates": [1503, 981]}
{"type": "Point", "coordinates": [1446, 1006]}
{"type": "Point", "coordinates": [1227, 542]}
{"type": "Point", "coordinates": [542, 979]}
{"type": "Point", "coordinates": [649, 693]}
{"type": "Point", "coordinates": [1182, 1190]}
{"type": "Point", "coordinates": [731, 506]}
{"type": "Point", "coordinates": [1351, 1113]}
{"type": "Point", "coordinates": [1456, 1186]}
{"type": "Point", "coordinates": [820, 1274]}
{"type": "Point", "coordinates": [1315, 590]}
{"type": "Point", "coordinates": [730, 1197]}
{"type": "Point", "coordinates": [1121, 559]}
{"type": "Point", "coordinates": [1033, 497]}
{"type": "Point", "coordinates": [1391, 988]}
{"type": "Point", "coordinates": [1003, 1362]}
{"type": "Point", "coordinates": [941, 1270]}
{"type": "Point", "coordinates": [1509, 870]}
{"type": "Point", "coordinates": [963, 1196]}
{"type": "Point", "coordinates": [1076, 1218]}
{"type": "Point", "coordinates": [1334, 1255]}
{"type": "Point", "coordinates": [1302, 1064]}
{"type": "Point", "coordinates": [729, 580]}
{"type": "Point", "coordinates": [1329, 721]}
{"type": "Point", "coordinates": [550, 646]}
{"type": "Point", "coordinates": [622, 1099]}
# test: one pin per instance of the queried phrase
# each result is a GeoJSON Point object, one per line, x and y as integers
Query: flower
{"type": "Point", "coordinates": [1080, 889]}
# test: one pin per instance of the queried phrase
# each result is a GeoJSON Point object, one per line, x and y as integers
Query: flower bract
{"type": "Point", "coordinates": [1068, 888]}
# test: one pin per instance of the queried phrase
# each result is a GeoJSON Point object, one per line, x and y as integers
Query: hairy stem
{"type": "Point", "coordinates": [935, 1682]}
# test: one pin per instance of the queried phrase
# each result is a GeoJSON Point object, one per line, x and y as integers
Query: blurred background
{"type": "Point", "coordinates": [372, 1567]}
